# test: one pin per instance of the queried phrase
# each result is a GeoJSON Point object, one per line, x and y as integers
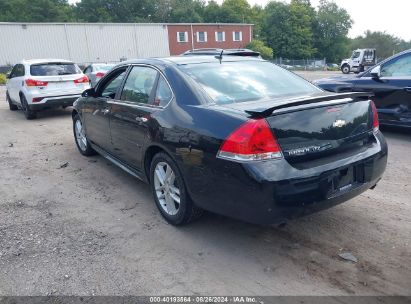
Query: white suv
{"type": "Point", "coordinates": [39, 84]}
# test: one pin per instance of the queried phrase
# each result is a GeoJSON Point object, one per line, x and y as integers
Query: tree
{"type": "Point", "coordinates": [287, 29]}
{"type": "Point", "coordinates": [330, 28]}
{"type": "Point", "coordinates": [115, 11]}
{"type": "Point", "coordinates": [35, 11]}
{"type": "Point", "coordinates": [212, 12]}
{"type": "Point", "coordinates": [259, 46]}
{"type": "Point", "coordinates": [236, 11]}
{"type": "Point", "coordinates": [302, 18]}
{"type": "Point", "coordinates": [186, 11]}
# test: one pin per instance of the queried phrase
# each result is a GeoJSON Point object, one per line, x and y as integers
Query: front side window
{"type": "Point", "coordinates": [182, 36]}
{"type": "Point", "coordinates": [243, 81]}
{"type": "Point", "coordinates": [139, 85]}
{"type": "Point", "coordinates": [54, 69]}
{"type": "Point", "coordinates": [110, 87]}
{"type": "Point", "coordinates": [237, 36]}
{"type": "Point", "coordinates": [201, 36]}
{"type": "Point", "coordinates": [400, 66]}
{"type": "Point", "coordinates": [18, 71]}
{"type": "Point", "coordinates": [219, 36]}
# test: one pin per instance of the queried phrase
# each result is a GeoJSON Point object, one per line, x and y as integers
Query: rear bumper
{"type": "Point", "coordinates": [273, 191]}
{"type": "Point", "coordinates": [54, 102]}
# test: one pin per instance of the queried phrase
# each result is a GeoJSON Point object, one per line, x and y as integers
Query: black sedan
{"type": "Point", "coordinates": [238, 136]}
{"type": "Point", "coordinates": [389, 81]}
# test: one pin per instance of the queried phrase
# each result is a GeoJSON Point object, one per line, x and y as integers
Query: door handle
{"type": "Point", "coordinates": [408, 89]}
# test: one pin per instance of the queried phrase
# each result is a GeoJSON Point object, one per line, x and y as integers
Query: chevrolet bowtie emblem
{"type": "Point", "coordinates": [339, 123]}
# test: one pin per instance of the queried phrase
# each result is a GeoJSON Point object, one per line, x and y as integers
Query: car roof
{"type": "Point", "coordinates": [211, 51]}
{"type": "Point", "coordinates": [102, 63]}
{"type": "Point", "coordinates": [183, 60]}
{"type": "Point", "coordinates": [46, 60]}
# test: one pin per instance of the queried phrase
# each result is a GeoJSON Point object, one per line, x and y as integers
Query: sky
{"type": "Point", "coordinates": [392, 16]}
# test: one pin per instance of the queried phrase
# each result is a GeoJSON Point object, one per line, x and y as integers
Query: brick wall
{"type": "Point", "coordinates": [176, 47]}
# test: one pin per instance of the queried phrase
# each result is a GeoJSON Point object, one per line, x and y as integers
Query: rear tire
{"type": "Point", "coordinates": [25, 107]}
{"type": "Point", "coordinates": [169, 191]}
{"type": "Point", "coordinates": [345, 69]}
{"type": "Point", "coordinates": [80, 137]}
{"type": "Point", "coordinates": [12, 106]}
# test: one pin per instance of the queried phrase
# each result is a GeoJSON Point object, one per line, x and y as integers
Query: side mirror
{"type": "Point", "coordinates": [376, 72]}
{"type": "Point", "coordinates": [8, 75]}
{"type": "Point", "coordinates": [89, 93]}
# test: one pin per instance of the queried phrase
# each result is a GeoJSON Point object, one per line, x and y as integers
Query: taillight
{"type": "Point", "coordinates": [375, 122]}
{"type": "Point", "coordinates": [251, 141]}
{"type": "Point", "coordinates": [100, 74]}
{"type": "Point", "coordinates": [36, 83]}
{"type": "Point", "coordinates": [83, 79]}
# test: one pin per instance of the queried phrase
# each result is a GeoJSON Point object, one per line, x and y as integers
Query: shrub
{"type": "Point", "coordinates": [2, 79]}
{"type": "Point", "coordinates": [259, 46]}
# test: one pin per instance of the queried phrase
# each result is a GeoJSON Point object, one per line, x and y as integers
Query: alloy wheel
{"type": "Point", "coordinates": [166, 188]}
{"type": "Point", "coordinates": [80, 135]}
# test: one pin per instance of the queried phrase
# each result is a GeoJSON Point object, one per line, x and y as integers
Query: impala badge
{"type": "Point", "coordinates": [339, 123]}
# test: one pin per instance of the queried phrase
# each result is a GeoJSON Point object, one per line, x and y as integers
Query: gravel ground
{"type": "Point", "coordinates": [71, 225]}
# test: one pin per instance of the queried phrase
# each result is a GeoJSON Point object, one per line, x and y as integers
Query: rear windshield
{"type": "Point", "coordinates": [54, 69]}
{"type": "Point", "coordinates": [103, 67]}
{"type": "Point", "coordinates": [242, 81]}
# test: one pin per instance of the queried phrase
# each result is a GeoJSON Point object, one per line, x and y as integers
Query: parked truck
{"type": "Point", "coordinates": [361, 59]}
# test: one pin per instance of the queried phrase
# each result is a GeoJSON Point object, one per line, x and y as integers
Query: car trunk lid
{"type": "Point", "coordinates": [315, 129]}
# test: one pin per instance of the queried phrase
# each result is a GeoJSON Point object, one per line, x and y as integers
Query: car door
{"type": "Point", "coordinates": [97, 108]}
{"type": "Point", "coordinates": [392, 90]}
{"type": "Point", "coordinates": [130, 116]}
{"type": "Point", "coordinates": [16, 82]}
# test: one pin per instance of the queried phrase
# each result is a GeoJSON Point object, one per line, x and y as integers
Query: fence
{"type": "Point", "coordinates": [301, 64]}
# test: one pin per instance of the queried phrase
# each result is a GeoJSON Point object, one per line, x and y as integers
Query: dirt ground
{"type": "Point", "coordinates": [71, 225]}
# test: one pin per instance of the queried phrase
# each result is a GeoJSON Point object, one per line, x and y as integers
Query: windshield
{"type": "Point", "coordinates": [242, 81]}
{"type": "Point", "coordinates": [355, 54]}
{"type": "Point", "coordinates": [103, 67]}
{"type": "Point", "coordinates": [54, 69]}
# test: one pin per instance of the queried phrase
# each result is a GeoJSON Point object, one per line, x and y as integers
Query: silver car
{"type": "Point", "coordinates": [96, 71]}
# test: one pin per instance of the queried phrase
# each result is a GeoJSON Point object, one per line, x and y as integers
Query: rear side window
{"type": "Point", "coordinates": [163, 93]}
{"type": "Point", "coordinates": [54, 69]}
{"type": "Point", "coordinates": [242, 81]}
{"type": "Point", "coordinates": [139, 85]}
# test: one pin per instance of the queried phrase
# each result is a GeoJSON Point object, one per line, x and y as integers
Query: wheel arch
{"type": "Point", "coordinates": [149, 155]}
{"type": "Point", "coordinates": [74, 113]}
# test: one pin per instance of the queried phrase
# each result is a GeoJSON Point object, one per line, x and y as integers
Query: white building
{"type": "Point", "coordinates": [82, 43]}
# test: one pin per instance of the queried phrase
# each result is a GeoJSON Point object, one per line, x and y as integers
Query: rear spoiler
{"type": "Point", "coordinates": [267, 112]}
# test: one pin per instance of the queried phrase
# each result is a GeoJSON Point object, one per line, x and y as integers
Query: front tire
{"type": "Point", "coordinates": [345, 69]}
{"type": "Point", "coordinates": [12, 106]}
{"type": "Point", "coordinates": [170, 193]}
{"type": "Point", "coordinates": [80, 137]}
{"type": "Point", "coordinates": [25, 107]}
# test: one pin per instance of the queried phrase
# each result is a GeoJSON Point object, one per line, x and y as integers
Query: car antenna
{"type": "Point", "coordinates": [221, 55]}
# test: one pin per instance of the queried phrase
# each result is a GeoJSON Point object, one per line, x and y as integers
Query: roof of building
{"type": "Point", "coordinates": [111, 24]}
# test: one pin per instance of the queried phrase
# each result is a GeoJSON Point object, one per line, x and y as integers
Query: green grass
{"type": "Point", "coordinates": [2, 79]}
